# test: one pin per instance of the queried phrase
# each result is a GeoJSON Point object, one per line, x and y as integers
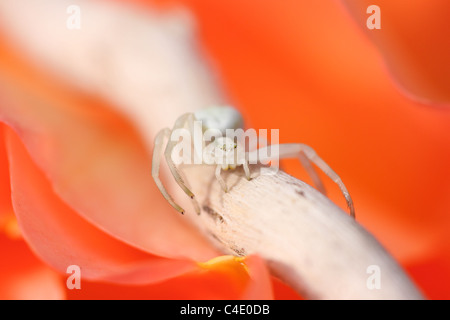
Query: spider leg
{"type": "Point", "coordinates": [179, 123]}
{"type": "Point", "coordinates": [156, 160]}
{"type": "Point", "coordinates": [293, 150]}
{"type": "Point", "coordinates": [322, 165]}
{"type": "Point", "coordinates": [253, 145]}
{"type": "Point", "coordinates": [306, 163]}
{"type": "Point", "coordinates": [242, 158]}
{"type": "Point", "coordinates": [220, 179]}
{"type": "Point", "coordinates": [246, 169]}
{"type": "Point", "coordinates": [303, 160]}
{"type": "Point", "coordinates": [168, 154]}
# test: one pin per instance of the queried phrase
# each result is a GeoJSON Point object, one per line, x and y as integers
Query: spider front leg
{"type": "Point", "coordinates": [168, 155]}
{"type": "Point", "coordinates": [295, 150]}
{"type": "Point", "coordinates": [179, 124]}
{"type": "Point", "coordinates": [156, 160]}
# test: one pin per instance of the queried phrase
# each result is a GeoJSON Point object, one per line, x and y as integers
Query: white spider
{"type": "Point", "coordinates": [227, 153]}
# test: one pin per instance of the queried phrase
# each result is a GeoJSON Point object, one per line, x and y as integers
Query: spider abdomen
{"type": "Point", "coordinates": [219, 117]}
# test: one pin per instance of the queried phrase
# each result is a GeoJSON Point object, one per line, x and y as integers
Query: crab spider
{"type": "Point", "coordinates": [227, 153]}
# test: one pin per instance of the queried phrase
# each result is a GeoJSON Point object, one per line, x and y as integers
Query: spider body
{"type": "Point", "coordinates": [226, 153]}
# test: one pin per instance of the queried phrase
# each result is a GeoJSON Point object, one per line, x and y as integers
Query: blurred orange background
{"type": "Point", "coordinates": [375, 104]}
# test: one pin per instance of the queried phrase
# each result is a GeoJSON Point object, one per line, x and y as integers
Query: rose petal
{"type": "Point", "coordinates": [413, 40]}
{"type": "Point", "coordinates": [95, 161]}
{"type": "Point", "coordinates": [223, 277]}
{"type": "Point", "coordinates": [8, 223]}
{"type": "Point", "coordinates": [62, 238]}
{"type": "Point", "coordinates": [433, 273]}
{"type": "Point", "coordinates": [282, 291]}
{"type": "Point", "coordinates": [23, 276]}
{"type": "Point", "coordinates": [250, 270]}
{"type": "Point", "coordinates": [260, 285]}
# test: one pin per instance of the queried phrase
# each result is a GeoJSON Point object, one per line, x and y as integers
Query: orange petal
{"type": "Point", "coordinates": [23, 276]}
{"type": "Point", "coordinates": [282, 291]}
{"type": "Point", "coordinates": [433, 273]}
{"type": "Point", "coordinates": [413, 40]}
{"type": "Point", "coordinates": [250, 270]}
{"type": "Point", "coordinates": [223, 277]}
{"type": "Point", "coordinates": [7, 219]}
{"type": "Point", "coordinates": [95, 161]}
{"type": "Point", "coordinates": [62, 238]}
{"type": "Point", "coordinates": [260, 285]}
